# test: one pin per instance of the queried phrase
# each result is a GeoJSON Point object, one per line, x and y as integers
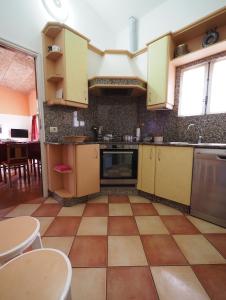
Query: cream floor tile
{"type": "Point", "coordinates": [125, 251]}
{"type": "Point", "coordinates": [177, 282]}
{"type": "Point", "coordinates": [151, 225]}
{"type": "Point", "coordinates": [99, 199]}
{"type": "Point", "coordinates": [93, 226]}
{"type": "Point", "coordinates": [60, 243]}
{"type": "Point", "coordinates": [50, 200]}
{"type": "Point", "coordinates": [120, 209]}
{"type": "Point", "coordinates": [88, 283]}
{"type": "Point", "coordinates": [23, 210]}
{"type": "Point", "coordinates": [44, 223]}
{"type": "Point", "coordinates": [206, 227]}
{"type": "Point", "coordinates": [76, 210]}
{"type": "Point", "coordinates": [166, 210]}
{"type": "Point", "coordinates": [198, 250]}
{"type": "Point", "coordinates": [138, 199]}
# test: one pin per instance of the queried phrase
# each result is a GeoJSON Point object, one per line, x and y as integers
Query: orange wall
{"type": "Point", "coordinates": [32, 103]}
{"type": "Point", "coordinates": [13, 102]}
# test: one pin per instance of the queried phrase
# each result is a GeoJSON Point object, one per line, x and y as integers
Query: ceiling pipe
{"type": "Point", "coordinates": [132, 34]}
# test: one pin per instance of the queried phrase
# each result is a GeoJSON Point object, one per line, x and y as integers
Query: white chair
{"type": "Point", "coordinates": [43, 274]}
{"type": "Point", "coordinates": [16, 235]}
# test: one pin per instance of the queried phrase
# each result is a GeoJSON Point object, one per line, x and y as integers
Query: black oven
{"type": "Point", "coordinates": [118, 164]}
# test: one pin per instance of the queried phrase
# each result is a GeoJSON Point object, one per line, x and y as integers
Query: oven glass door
{"type": "Point", "coordinates": [119, 164]}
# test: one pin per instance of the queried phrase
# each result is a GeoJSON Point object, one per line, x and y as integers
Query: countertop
{"type": "Point", "coordinates": [171, 144]}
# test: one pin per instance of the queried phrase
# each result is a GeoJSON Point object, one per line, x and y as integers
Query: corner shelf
{"type": "Point", "coordinates": [52, 30]}
{"type": "Point", "coordinates": [63, 172]}
{"type": "Point", "coordinates": [63, 193]}
{"type": "Point", "coordinates": [54, 55]}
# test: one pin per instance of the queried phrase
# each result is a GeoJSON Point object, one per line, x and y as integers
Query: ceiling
{"type": "Point", "coordinates": [17, 70]}
{"type": "Point", "coordinates": [117, 12]}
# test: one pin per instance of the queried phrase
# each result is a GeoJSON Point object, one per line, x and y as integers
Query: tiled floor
{"type": "Point", "coordinates": [125, 248]}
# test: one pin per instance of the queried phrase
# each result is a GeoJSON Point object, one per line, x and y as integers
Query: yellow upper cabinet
{"type": "Point", "coordinates": [173, 175]}
{"type": "Point", "coordinates": [146, 169]}
{"type": "Point", "coordinates": [76, 76]}
{"type": "Point", "coordinates": [65, 66]}
{"type": "Point", "coordinates": [161, 76]}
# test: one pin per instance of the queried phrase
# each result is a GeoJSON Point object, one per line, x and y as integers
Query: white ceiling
{"type": "Point", "coordinates": [116, 13]}
{"type": "Point", "coordinates": [17, 70]}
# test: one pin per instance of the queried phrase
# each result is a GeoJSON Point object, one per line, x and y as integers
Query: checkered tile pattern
{"type": "Point", "coordinates": [129, 248]}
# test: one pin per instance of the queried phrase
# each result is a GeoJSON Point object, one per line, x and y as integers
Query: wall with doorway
{"type": "Point", "coordinates": [16, 110]}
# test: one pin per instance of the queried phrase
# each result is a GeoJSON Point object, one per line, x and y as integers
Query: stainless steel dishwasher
{"type": "Point", "coordinates": [208, 199]}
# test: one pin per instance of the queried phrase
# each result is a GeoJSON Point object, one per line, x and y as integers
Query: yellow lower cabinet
{"type": "Point", "coordinates": [173, 174]}
{"type": "Point", "coordinates": [146, 169]}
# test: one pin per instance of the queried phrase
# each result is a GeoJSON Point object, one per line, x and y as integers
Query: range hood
{"type": "Point", "coordinates": [117, 86]}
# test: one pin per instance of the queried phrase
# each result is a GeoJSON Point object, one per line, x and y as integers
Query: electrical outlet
{"type": "Point", "coordinates": [82, 123]}
{"type": "Point", "coordinates": [53, 129]}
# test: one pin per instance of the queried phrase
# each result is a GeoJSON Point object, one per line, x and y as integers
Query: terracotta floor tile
{"type": "Point", "coordinates": [96, 210]}
{"type": "Point", "coordinates": [122, 226]}
{"type": "Point", "coordinates": [179, 225]}
{"type": "Point", "coordinates": [120, 209]}
{"type": "Point", "coordinates": [44, 223]}
{"type": "Point", "coordinates": [143, 209]}
{"type": "Point", "coordinates": [5, 211]}
{"type": "Point", "coordinates": [88, 284]}
{"type": "Point", "coordinates": [93, 226]}
{"type": "Point", "coordinates": [150, 225]}
{"type": "Point", "coordinates": [138, 199]}
{"type": "Point", "coordinates": [47, 210]}
{"type": "Point", "coordinates": [162, 250]}
{"type": "Point", "coordinates": [118, 199]}
{"type": "Point", "coordinates": [63, 226]}
{"type": "Point", "coordinates": [89, 251]}
{"type": "Point", "coordinates": [76, 210]}
{"type": "Point", "coordinates": [206, 227]}
{"type": "Point", "coordinates": [218, 240]}
{"type": "Point", "coordinates": [22, 210]}
{"type": "Point", "coordinates": [177, 283]}
{"type": "Point", "coordinates": [130, 283]}
{"type": "Point", "coordinates": [125, 251]}
{"type": "Point", "coordinates": [99, 199]}
{"type": "Point", "coordinates": [198, 250]}
{"type": "Point", "coordinates": [213, 279]}
{"type": "Point", "coordinates": [166, 210]}
{"type": "Point", "coordinates": [61, 243]}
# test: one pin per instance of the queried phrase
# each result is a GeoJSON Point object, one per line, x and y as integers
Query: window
{"type": "Point", "coordinates": [203, 89]}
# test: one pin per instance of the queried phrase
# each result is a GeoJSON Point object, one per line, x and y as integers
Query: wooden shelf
{"type": "Point", "coordinates": [199, 54]}
{"type": "Point", "coordinates": [63, 102]}
{"type": "Point", "coordinates": [54, 55]}
{"type": "Point", "coordinates": [52, 30]}
{"type": "Point", "coordinates": [55, 78]}
{"type": "Point", "coordinates": [63, 193]}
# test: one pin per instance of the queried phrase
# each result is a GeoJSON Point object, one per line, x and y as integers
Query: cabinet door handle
{"type": "Point", "coordinates": [159, 155]}
{"type": "Point", "coordinates": [96, 152]}
{"type": "Point", "coordinates": [151, 153]}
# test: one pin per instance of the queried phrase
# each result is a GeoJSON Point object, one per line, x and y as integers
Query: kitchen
{"type": "Point", "coordinates": [133, 164]}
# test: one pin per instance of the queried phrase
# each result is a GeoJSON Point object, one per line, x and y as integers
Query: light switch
{"type": "Point", "coordinates": [53, 129]}
{"type": "Point", "coordinates": [82, 123]}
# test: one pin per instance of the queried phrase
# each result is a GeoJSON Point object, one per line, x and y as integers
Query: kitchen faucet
{"type": "Point", "coordinates": [200, 131]}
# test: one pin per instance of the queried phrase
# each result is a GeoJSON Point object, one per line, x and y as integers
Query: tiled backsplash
{"type": "Point", "coordinates": [122, 115]}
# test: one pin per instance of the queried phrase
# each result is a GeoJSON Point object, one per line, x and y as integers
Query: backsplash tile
{"type": "Point", "coordinates": [121, 115]}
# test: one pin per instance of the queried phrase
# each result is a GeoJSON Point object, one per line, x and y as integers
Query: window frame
{"type": "Point", "coordinates": [207, 86]}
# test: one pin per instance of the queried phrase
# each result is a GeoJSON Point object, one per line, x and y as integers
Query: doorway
{"type": "Point", "coordinates": [21, 119]}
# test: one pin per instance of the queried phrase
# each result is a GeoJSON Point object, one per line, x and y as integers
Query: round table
{"type": "Point", "coordinates": [16, 235]}
{"type": "Point", "coordinates": [39, 274]}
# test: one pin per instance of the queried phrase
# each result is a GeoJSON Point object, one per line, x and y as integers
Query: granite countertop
{"type": "Point", "coordinates": [171, 144]}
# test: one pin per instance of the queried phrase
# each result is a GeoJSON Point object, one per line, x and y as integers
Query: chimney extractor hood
{"type": "Point", "coordinates": [117, 86]}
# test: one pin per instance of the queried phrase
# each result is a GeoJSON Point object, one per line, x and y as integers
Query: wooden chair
{"type": "Point", "coordinates": [3, 157]}
{"type": "Point", "coordinates": [43, 274]}
{"type": "Point", "coordinates": [34, 155]}
{"type": "Point", "coordinates": [16, 235]}
{"type": "Point", "coordinates": [17, 158]}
